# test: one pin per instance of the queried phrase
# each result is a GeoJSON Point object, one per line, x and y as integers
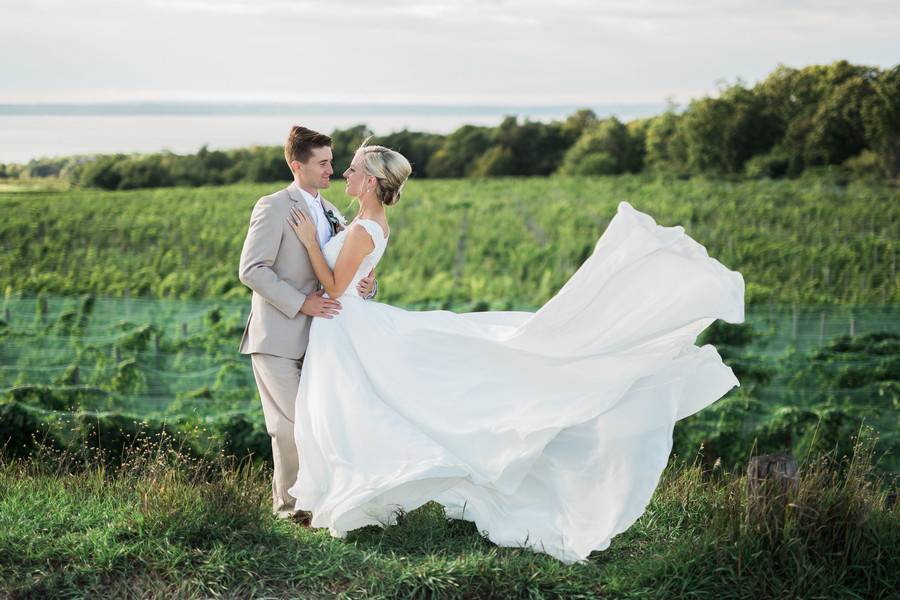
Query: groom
{"type": "Point", "coordinates": [286, 295]}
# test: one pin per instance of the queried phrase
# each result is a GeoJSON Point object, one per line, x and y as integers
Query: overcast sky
{"type": "Point", "coordinates": [448, 51]}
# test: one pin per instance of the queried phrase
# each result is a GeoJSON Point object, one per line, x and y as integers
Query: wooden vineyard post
{"type": "Point", "coordinates": [771, 478]}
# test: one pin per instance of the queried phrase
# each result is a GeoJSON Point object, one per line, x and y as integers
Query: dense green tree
{"type": "Point", "coordinates": [577, 123]}
{"type": "Point", "coordinates": [142, 172]}
{"type": "Point", "coordinates": [538, 147]}
{"type": "Point", "coordinates": [837, 131]}
{"type": "Point", "coordinates": [636, 150]}
{"type": "Point", "coordinates": [457, 155]}
{"type": "Point", "coordinates": [819, 110]}
{"type": "Point", "coordinates": [607, 148]}
{"type": "Point", "coordinates": [102, 172]}
{"type": "Point", "coordinates": [721, 134]}
{"type": "Point", "coordinates": [497, 161]}
{"type": "Point", "coordinates": [881, 118]}
{"type": "Point", "coordinates": [266, 164]}
{"type": "Point", "coordinates": [665, 149]}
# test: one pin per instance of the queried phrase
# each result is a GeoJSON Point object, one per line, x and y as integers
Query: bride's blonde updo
{"type": "Point", "coordinates": [389, 167]}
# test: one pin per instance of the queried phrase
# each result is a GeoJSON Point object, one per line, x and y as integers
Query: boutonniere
{"type": "Point", "coordinates": [337, 222]}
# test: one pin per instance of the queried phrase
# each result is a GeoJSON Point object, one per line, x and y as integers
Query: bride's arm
{"type": "Point", "coordinates": [357, 245]}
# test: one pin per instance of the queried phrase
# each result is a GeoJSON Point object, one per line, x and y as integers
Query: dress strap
{"type": "Point", "coordinates": [374, 230]}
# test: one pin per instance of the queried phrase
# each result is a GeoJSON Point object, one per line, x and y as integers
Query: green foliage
{"type": "Point", "coordinates": [155, 356]}
{"type": "Point", "coordinates": [459, 151]}
{"type": "Point", "coordinates": [19, 428]}
{"type": "Point", "coordinates": [839, 115]}
{"type": "Point", "coordinates": [792, 120]}
{"type": "Point", "coordinates": [865, 165]}
{"type": "Point", "coordinates": [577, 123]}
{"type": "Point", "coordinates": [528, 148]}
{"type": "Point", "coordinates": [103, 172]}
{"type": "Point", "coordinates": [607, 148]}
{"type": "Point", "coordinates": [495, 162]}
{"type": "Point", "coordinates": [666, 151]}
{"type": "Point", "coordinates": [493, 240]}
{"type": "Point", "coordinates": [242, 435]}
{"type": "Point", "coordinates": [803, 403]}
{"type": "Point", "coordinates": [735, 335]}
{"type": "Point", "coordinates": [819, 110]}
{"type": "Point", "coordinates": [721, 134]}
{"type": "Point", "coordinates": [773, 164]}
{"type": "Point", "coordinates": [173, 365]}
{"type": "Point", "coordinates": [881, 117]}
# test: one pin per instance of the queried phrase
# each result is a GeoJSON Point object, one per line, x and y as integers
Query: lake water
{"type": "Point", "coordinates": [30, 131]}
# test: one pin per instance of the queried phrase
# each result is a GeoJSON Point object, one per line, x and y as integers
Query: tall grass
{"type": "Point", "coordinates": [160, 523]}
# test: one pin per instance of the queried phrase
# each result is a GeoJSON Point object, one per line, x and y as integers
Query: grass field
{"type": "Point", "coordinates": [163, 526]}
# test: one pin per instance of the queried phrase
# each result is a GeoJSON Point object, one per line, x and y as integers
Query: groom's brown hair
{"type": "Point", "coordinates": [301, 142]}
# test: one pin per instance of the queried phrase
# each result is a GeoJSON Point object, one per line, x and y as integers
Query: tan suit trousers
{"type": "Point", "coordinates": [278, 380]}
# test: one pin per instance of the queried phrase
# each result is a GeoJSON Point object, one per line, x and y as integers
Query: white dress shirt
{"type": "Point", "coordinates": [323, 228]}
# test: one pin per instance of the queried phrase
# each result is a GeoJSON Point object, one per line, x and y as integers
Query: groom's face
{"type": "Point", "coordinates": [317, 170]}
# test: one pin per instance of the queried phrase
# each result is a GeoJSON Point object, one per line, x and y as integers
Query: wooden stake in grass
{"type": "Point", "coordinates": [770, 478]}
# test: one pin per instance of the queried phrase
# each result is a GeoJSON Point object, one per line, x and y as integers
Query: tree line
{"type": "Point", "coordinates": [838, 117]}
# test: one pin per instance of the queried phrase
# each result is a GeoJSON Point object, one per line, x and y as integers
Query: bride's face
{"type": "Point", "coordinates": [356, 177]}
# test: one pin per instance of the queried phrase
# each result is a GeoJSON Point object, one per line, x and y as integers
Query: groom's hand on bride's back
{"type": "Point", "coordinates": [316, 305]}
{"type": "Point", "coordinates": [367, 286]}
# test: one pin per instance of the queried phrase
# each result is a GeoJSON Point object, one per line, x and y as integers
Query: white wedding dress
{"type": "Point", "coordinates": [549, 429]}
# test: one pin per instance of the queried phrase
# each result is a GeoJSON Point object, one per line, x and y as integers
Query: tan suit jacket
{"type": "Point", "coordinates": [275, 265]}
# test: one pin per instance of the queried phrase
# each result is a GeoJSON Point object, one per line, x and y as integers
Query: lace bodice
{"type": "Point", "coordinates": [332, 250]}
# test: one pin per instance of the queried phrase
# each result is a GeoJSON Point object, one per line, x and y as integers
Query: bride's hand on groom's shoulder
{"type": "Point", "coordinates": [317, 305]}
{"type": "Point", "coordinates": [303, 227]}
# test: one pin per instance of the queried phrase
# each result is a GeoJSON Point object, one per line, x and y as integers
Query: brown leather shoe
{"type": "Point", "coordinates": [302, 518]}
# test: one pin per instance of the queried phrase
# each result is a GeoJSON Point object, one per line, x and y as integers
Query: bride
{"type": "Point", "coordinates": [549, 429]}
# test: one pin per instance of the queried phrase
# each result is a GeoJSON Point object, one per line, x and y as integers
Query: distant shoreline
{"type": "Point", "coordinates": [172, 108]}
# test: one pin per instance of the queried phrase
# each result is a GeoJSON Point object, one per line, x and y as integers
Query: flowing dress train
{"type": "Point", "coordinates": [550, 429]}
